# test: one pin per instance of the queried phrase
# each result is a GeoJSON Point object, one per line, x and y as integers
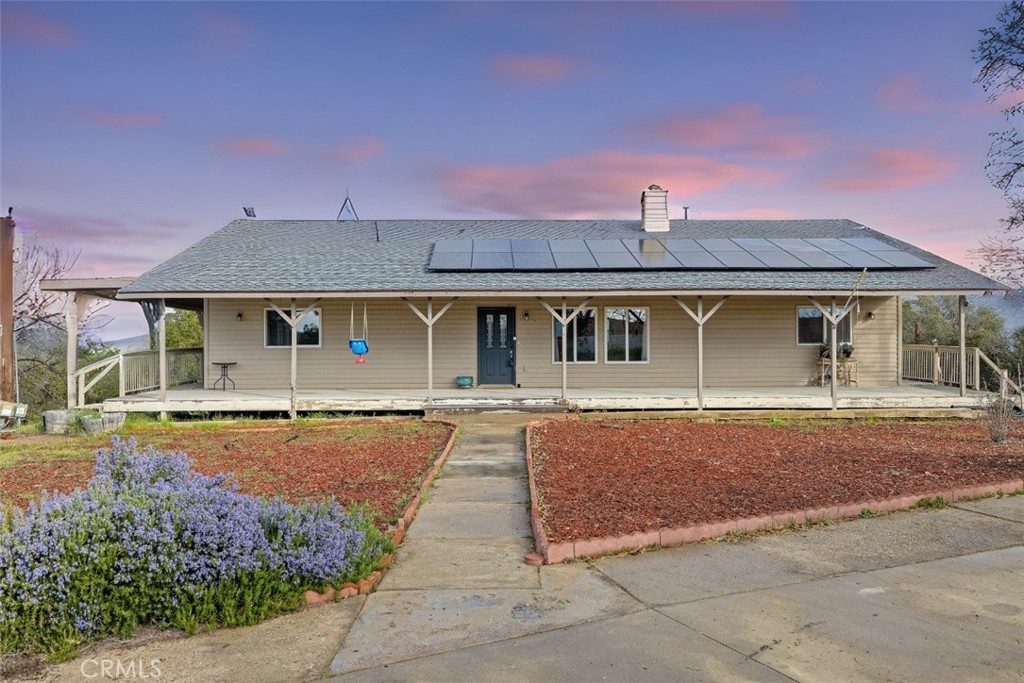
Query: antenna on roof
{"type": "Point", "coordinates": [250, 212]}
{"type": "Point", "coordinates": [350, 205]}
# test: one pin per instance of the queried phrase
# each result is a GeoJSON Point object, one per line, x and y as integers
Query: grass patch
{"type": "Point", "coordinates": [936, 503]}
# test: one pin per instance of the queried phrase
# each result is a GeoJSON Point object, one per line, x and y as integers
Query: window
{"type": "Point", "coordinates": [279, 333]}
{"type": "Point", "coordinates": [625, 335]}
{"type": "Point", "coordinates": [581, 344]}
{"type": "Point", "coordinates": [812, 328]}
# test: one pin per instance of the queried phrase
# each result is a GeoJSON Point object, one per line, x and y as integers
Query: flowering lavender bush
{"type": "Point", "coordinates": [151, 541]}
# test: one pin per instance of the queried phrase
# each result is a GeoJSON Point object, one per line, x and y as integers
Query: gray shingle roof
{"type": "Point", "coordinates": [254, 256]}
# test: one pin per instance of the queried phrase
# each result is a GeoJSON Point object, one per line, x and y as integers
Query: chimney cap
{"type": "Point", "coordinates": [656, 187]}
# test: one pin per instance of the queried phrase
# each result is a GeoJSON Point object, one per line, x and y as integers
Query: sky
{"type": "Point", "coordinates": [130, 130]}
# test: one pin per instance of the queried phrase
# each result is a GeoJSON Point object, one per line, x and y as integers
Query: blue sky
{"type": "Point", "coordinates": [130, 130]}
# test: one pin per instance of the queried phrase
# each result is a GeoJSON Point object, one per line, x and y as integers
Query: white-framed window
{"type": "Point", "coordinates": [581, 342]}
{"type": "Point", "coordinates": [626, 337]}
{"type": "Point", "coordinates": [278, 333]}
{"type": "Point", "coordinates": [812, 329]}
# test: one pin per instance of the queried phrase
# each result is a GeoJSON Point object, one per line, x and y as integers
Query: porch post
{"type": "Point", "coordinates": [429, 319]}
{"type": "Point", "coordinates": [163, 357]}
{"type": "Point", "coordinates": [963, 344]}
{"type": "Point", "coordinates": [565, 349]}
{"type": "Point", "coordinates": [430, 349]}
{"type": "Point", "coordinates": [700, 319]}
{"type": "Point", "coordinates": [71, 322]}
{"type": "Point", "coordinates": [833, 352]}
{"type": "Point", "coordinates": [564, 318]}
{"type": "Point", "coordinates": [899, 341]}
{"type": "Point", "coordinates": [292, 410]}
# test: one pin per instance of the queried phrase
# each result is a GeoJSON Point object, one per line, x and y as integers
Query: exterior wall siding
{"type": "Point", "coordinates": [750, 341]}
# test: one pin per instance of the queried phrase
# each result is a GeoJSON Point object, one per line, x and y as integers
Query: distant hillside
{"type": "Point", "coordinates": [129, 344]}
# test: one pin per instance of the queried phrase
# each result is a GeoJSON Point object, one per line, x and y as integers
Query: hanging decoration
{"type": "Point", "coordinates": [358, 345]}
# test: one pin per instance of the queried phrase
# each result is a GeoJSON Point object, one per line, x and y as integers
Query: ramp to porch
{"type": "Point", "coordinates": [909, 396]}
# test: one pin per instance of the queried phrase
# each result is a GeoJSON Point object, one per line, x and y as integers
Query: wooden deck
{"type": "Point", "coordinates": [910, 396]}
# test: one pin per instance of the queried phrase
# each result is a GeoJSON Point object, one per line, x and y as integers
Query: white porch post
{"type": "Point", "coordinates": [700, 319]}
{"type": "Point", "coordinates": [163, 357]}
{"type": "Point", "coordinates": [565, 354]}
{"type": "Point", "coordinates": [834, 319]}
{"type": "Point", "coordinates": [292, 318]}
{"type": "Point", "coordinates": [71, 323]}
{"type": "Point", "coordinates": [293, 409]}
{"type": "Point", "coordinates": [429, 319]}
{"type": "Point", "coordinates": [564, 318]}
{"type": "Point", "coordinates": [963, 344]}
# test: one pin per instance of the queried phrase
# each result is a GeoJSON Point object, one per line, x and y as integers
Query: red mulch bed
{"type": "Point", "coordinates": [380, 464]}
{"type": "Point", "coordinates": [614, 478]}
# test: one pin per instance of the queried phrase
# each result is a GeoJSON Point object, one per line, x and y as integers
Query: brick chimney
{"type": "Point", "coordinates": [654, 209]}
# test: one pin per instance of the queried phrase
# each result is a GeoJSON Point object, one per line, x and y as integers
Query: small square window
{"type": "Point", "coordinates": [812, 328]}
{"type": "Point", "coordinates": [279, 333]}
{"type": "Point", "coordinates": [626, 337]}
{"type": "Point", "coordinates": [581, 344]}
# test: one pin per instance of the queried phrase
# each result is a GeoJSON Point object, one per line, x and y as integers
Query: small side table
{"type": "Point", "coordinates": [224, 379]}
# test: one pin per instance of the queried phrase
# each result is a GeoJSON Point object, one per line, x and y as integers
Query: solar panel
{"type": "Point", "coordinates": [607, 246]}
{"type": "Point", "coordinates": [657, 260]}
{"type": "Point", "coordinates": [485, 260]}
{"type": "Point", "coordinates": [532, 261]}
{"type": "Point", "coordinates": [738, 259]}
{"type": "Point", "coordinates": [610, 261]}
{"type": "Point", "coordinates": [740, 253]}
{"type": "Point", "coordinates": [530, 246]}
{"type": "Point", "coordinates": [901, 259]}
{"type": "Point", "coordinates": [499, 246]}
{"type": "Point", "coordinates": [714, 245]}
{"type": "Point", "coordinates": [576, 246]}
{"type": "Point", "coordinates": [451, 260]}
{"type": "Point", "coordinates": [574, 260]}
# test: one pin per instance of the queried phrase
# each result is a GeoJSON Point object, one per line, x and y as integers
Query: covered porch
{"type": "Point", "coordinates": [910, 396]}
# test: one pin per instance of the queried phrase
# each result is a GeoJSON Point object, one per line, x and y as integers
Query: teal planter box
{"type": "Point", "coordinates": [464, 381]}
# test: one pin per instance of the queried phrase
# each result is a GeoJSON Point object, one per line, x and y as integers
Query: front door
{"type": "Point", "coordinates": [496, 344]}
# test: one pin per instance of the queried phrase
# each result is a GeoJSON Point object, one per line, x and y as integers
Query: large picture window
{"type": "Point", "coordinates": [581, 342]}
{"type": "Point", "coordinates": [625, 335]}
{"type": "Point", "coordinates": [813, 328]}
{"type": "Point", "coordinates": [279, 333]}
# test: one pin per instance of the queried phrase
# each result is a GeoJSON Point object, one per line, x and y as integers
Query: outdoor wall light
{"type": "Point", "coordinates": [526, 315]}
{"type": "Point", "coordinates": [871, 315]}
{"type": "Point", "coordinates": [239, 317]}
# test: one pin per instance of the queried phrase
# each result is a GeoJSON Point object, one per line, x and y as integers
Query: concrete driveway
{"type": "Point", "coordinates": [924, 595]}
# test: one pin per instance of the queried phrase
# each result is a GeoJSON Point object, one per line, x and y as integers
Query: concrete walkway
{"type": "Point", "coordinates": [910, 596]}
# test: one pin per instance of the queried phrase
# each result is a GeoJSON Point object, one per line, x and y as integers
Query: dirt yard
{"type": "Point", "coordinates": [610, 478]}
{"type": "Point", "coordinates": [377, 463]}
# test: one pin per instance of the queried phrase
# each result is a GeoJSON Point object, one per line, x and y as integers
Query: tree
{"type": "Point", "coordinates": [928, 319]}
{"type": "Point", "coordinates": [1000, 54]}
{"type": "Point", "coordinates": [184, 329]}
{"type": "Point", "coordinates": [39, 329]}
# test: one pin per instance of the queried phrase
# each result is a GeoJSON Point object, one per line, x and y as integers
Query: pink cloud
{"type": "Point", "coordinates": [359, 153]}
{"type": "Point", "coordinates": [33, 28]}
{"type": "Point", "coordinates": [591, 184]}
{"type": "Point", "coordinates": [745, 128]}
{"type": "Point", "coordinates": [115, 119]}
{"type": "Point", "coordinates": [252, 147]}
{"type": "Point", "coordinates": [530, 69]}
{"type": "Point", "coordinates": [892, 169]}
{"type": "Point", "coordinates": [904, 93]}
{"type": "Point", "coordinates": [222, 32]}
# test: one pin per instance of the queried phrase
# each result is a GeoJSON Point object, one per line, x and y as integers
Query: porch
{"type": "Point", "coordinates": [909, 396]}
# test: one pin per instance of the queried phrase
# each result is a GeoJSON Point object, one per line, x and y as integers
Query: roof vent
{"type": "Point", "coordinates": [654, 209]}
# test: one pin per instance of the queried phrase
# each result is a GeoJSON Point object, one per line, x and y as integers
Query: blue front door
{"type": "Point", "coordinates": [496, 345]}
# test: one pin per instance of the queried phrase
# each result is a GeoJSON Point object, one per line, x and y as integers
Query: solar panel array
{"type": "Point", "coordinates": [851, 253]}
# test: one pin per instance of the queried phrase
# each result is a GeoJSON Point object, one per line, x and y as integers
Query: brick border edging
{"type": "Point", "coordinates": [552, 553]}
{"type": "Point", "coordinates": [364, 587]}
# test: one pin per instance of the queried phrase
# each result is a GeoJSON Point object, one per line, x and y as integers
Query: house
{"type": "Point", "coordinates": [652, 312]}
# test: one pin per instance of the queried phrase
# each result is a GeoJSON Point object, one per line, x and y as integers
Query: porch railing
{"type": "Point", "coordinates": [940, 364]}
{"type": "Point", "coordinates": [140, 371]}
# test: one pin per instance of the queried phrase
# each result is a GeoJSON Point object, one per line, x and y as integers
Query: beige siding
{"type": "Point", "coordinates": [751, 341]}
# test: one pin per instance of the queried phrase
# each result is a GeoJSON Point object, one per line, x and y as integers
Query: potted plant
{"type": "Point", "coordinates": [844, 351]}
